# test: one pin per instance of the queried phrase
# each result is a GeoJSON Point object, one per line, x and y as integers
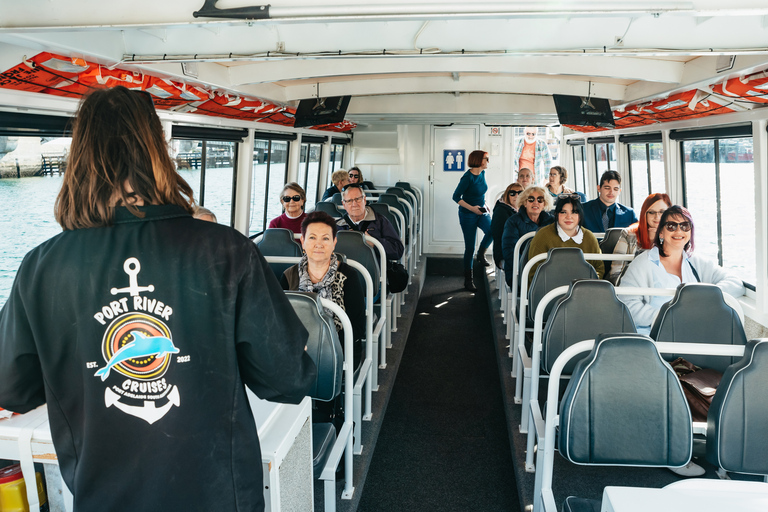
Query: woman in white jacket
{"type": "Point", "coordinates": [668, 264]}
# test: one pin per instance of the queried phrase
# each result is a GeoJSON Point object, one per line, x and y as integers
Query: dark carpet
{"type": "Point", "coordinates": [443, 443]}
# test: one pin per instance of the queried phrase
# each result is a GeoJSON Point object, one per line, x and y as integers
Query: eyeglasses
{"type": "Point", "coordinates": [486, 158]}
{"type": "Point", "coordinates": [538, 199]}
{"type": "Point", "coordinates": [287, 199]}
{"type": "Point", "coordinates": [655, 213]}
{"type": "Point", "coordinates": [356, 200]}
{"type": "Point", "coordinates": [514, 192]}
{"type": "Point", "coordinates": [569, 196]}
{"type": "Point", "coordinates": [672, 226]}
{"type": "Point", "coordinates": [530, 134]}
{"type": "Point", "coordinates": [354, 175]}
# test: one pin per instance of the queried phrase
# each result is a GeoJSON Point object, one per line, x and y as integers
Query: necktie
{"type": "Point", "coordinates": [606, 222]}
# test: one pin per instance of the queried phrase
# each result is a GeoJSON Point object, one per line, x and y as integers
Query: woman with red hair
{"type": "Point", "coordinates": [639, 236]}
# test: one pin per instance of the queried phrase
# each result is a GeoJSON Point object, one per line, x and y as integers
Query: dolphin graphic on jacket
{"type": "Point", "coordinates": [141, 346]}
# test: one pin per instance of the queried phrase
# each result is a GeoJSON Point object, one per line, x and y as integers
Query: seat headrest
{"type": "Point", "coordinates": [698, 313]}
{"type": "Point", "coordinates": [738, 417]}
{"type": "Point", "coordinates": [563, 265]}
{"type": "Point", "coordinates": [323, 344]}
{"type": "Point", "coordinates": [624, 406]}
{"type": "Point", "coordinates": [278, 242]}
{"type": "Point", "coordinates": [589, 309]}
{"type": "Point", "coordinates": [352, 245]}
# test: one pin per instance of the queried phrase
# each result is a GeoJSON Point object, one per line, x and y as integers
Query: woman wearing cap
{"type": "Point", "coordinates": [292, 198]}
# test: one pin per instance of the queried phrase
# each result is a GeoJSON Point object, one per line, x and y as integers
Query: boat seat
{"type": "Point", "coordinates": [279, 242]}
{"type": "Point", "coordinates": [588, 309]}
{"type": "Point", "coordinates": [329, 208]}
{"type": "Point", "coordinates": [607, 244]}
{"type": "Point", "coordinates": [698, 313]}
{"type": "Point", "coordinates": [563, 265]}
{"type": "Point", "coordinates": [625, 406]}
{"type": "Point", "coordinates": [574, 504]}
{"type": "Point", "coordinates": [352, 245]}
{"type": "Point", "coordinates": [738, 417]}
{"type": "Point", "coordinates": [384, 210]}
{"type": "Point", "coordinates": [323, 344]}
{"type": "Point", "coordinates": [323, 436]}
{"type": "Point", "coordinates": [336, 199]}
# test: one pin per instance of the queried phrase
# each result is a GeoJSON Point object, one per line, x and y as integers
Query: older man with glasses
{"type": "Point", "coordinates": [360, 217]}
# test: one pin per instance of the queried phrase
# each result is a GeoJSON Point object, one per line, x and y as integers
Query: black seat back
{"type": "Point", "coordinates": [738, 417]}
{"type": "Point", "coordinates": [323, 344]}
{"type": "Point", "coordinates": [624, 406]}
{"type": "Point", "coordinates": [607, 244]}
{"type": "Point", "coordinates": [383, 210]}
{"type": "Point", "coordinates": [352, 245]}
{"type": "Point", "coordinates": [698, 313]}
{"type": "Point", "coordinates": [393, 201]}
{"type": "Point", "coordinates": [329, 208]}
{"type": "Point", "coordinates": [336, 199]}
{"type": "Point", "coordinates": [563, 265]}
{"type": "Point", "coordinates": [279, 242]}
{"type": "Point", "coordinates": [589, 309]}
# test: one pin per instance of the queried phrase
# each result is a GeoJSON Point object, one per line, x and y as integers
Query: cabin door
{"type": "Point", "coordinates": [450, 148]}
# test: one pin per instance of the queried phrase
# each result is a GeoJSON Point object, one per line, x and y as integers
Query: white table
{"type": "Point", "coordinates": [27, 438]}
{"type": "Point", "coordinates": [694, 495]}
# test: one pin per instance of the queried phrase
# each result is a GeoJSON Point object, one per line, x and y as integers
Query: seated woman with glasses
{"type": "Point", "coordinates": [668, 264]}
{"type": "Point", "coordinates": [321, 272]}
{"type": "Point", "coordinates": [567, 231]}
{"type": "Point", "coordinates": [292, 198]}
{"type": "Point", "coordinates": [639, 237]}
{"type": "Point", "coordinates": [558, 175]}
{"type": "Point", "coordinates": [533, 205]}
{"type": "Point", "coordinates": [505, 207]}
{"type": "Point", "coordinates": [339, 180]}
{"type": "Point", "coordinates": [356, 177]}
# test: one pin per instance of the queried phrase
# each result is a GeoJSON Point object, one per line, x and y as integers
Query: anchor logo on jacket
{"type": "Point", "coordinates": [138, 349]}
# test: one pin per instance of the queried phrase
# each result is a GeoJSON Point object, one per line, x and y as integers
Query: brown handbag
{"type": "Point", "coordinates": [699, 386]}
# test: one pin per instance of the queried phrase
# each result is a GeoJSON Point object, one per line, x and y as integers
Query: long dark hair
{"type": "Point", "coordinates": [117, 141]}
{"type": "Point", "coordinates": [674, 210]}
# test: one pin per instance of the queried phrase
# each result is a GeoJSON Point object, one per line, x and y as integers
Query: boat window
{"type": "Point", "coordinates": [337, 157]}
{"type": "Point", "coordinates": [646, 170]}
{"type": "Point", "coordinates": [270, 171]}
{"type": "Point", "coordinates": [579, 167]}
{"type": "Point", "coordinates": [309, 171]}
{"type": "Point", "coordinates": [605, 158]}
{"type": "Point", "coordinates": [719, 191]}
{"type": "Point", "coordinates": [31, 173]}
{"type": "Point", "coordinates": [209, 168]}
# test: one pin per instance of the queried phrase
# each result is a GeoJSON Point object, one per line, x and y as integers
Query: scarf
{"type": "Point", "coordinates": [329, 287]}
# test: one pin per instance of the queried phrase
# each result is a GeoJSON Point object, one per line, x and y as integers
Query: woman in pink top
{"type": "Point", "coordinates": [292, 198]}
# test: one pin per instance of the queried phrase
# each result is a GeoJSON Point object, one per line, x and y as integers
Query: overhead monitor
{"type": "Point", "coordinates": [581, 111]}
{"type": "Point", "coordinates": [315, 111]}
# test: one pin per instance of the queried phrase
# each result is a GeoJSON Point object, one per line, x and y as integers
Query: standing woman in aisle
{"type": "Point", "coordinates": [473, 213]}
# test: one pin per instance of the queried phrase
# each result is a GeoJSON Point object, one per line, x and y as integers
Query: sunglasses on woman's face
{"type": "Point", "coordinates": [538, 199]}
{"type": "Point", "coordinates": [287, 199]}
{"type": "Point", "coordinates": [514, 192]}
{"type": "Point", "coordinates": [354, 175]}
{"type": "Point", "coordinates": [672, 226]}
{"type": "Point", "coordinates": [569, 196]}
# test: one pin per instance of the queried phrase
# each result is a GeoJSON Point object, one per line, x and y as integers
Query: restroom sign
{"type": "Point", "coordinates": [454, 159]}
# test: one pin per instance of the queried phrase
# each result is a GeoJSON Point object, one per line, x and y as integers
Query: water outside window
{"type": "Point", "coordinates": [645, 159]}
{"type": "Point", "coordinates": [270, 165]}
{"type": "Point", "coordinates": [727, 235]}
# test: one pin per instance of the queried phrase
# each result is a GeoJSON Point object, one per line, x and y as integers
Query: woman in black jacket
{"type": "Point", "coordinates": [533, 205]}
{"type": "Point", "coordinates": [505, 207]}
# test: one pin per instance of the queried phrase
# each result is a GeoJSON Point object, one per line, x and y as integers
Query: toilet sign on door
{"type": "Point", "coordinates": [453, 159]}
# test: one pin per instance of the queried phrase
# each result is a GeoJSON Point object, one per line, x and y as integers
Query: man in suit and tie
{"type": "Point", "coordinates": [604, 213]}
